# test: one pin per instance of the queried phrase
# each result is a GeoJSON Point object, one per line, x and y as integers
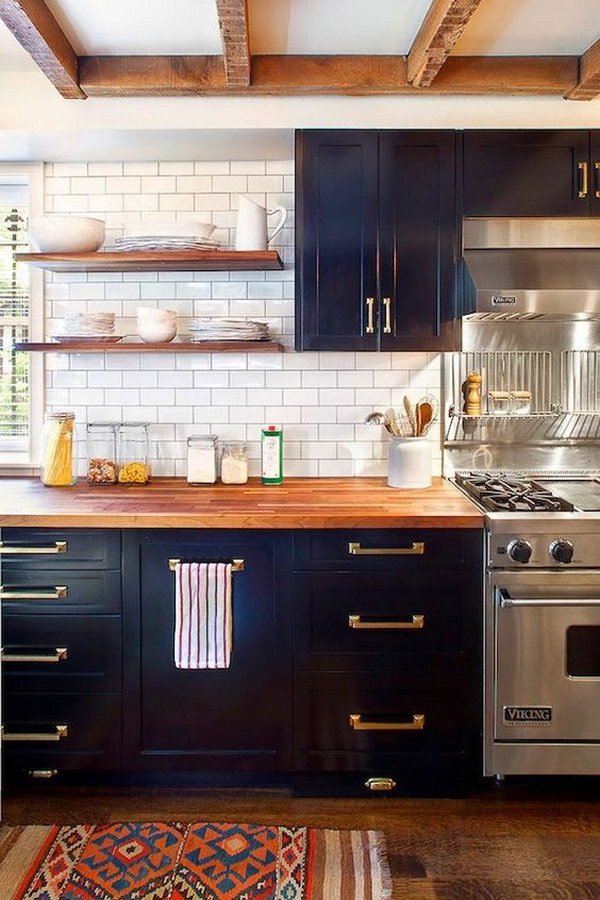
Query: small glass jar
{"type": "Point", "coordinates": [520, 403]}
{"type": "Point", "coordinates": [132, 453]}
{"type": "Point", "coordinates": [499, 403]}
{"type": "Point", "coordinates": [202, 459]}
{"type": "Point", "coordinates": [101, 450]}
{"type": "Point", "coordinates": [234, 462]}
{"type": "Point", "coordinates": [58, 441]}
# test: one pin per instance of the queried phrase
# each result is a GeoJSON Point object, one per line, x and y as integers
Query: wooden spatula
{"type": "Point", "coordinates": [424, 415]}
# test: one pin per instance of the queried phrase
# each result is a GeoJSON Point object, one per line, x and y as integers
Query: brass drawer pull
{"type": "Point", "coordinates": [387, 305]}
{"type": "Point", "coordinates": [39, 656]}
{"type": "Point", "coordinates": [60, 732]}
{"type": "Point", "coordinates": [415, 622]}
{"type": "Point", "coordinates": [370, 329]}
{"type": "Point", "coordinates": [583, 180]}
{"type": "Point", "coordinates": [597, 174]}
{"type": "Point", "coordinates": [417, 724]}
{"type": "Point", "coordinates": [417, 548]}
{"type": "Point", "coordinates": [59, 593]}
{"type": "Point", "coordinates": [380, 784]}
{"type": "Point", "coordinates": [237, 565]}
{"type": "Point", "coordinates": [43, 773]}
{"type": "Point", "coordinates": [59, 547]}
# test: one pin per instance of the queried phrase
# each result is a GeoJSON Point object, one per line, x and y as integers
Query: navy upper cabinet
{"type": "Point", "coordinates": [530, 173]}
{"type": "Point", "coordinates": [376, 240]}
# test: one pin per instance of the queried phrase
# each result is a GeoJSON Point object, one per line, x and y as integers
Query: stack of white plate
{"type": "Point", "coordinates": [88, 326]}
{"type": "Point", "coordinates": [158, 242]}
{"type": "Point", "coordinates": [227, 330]}
{"type": "Point", "coordinates": [167, 236]}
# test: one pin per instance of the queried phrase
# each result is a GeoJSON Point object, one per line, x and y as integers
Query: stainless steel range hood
{"type": "Point", "coordinates": [525, 267]}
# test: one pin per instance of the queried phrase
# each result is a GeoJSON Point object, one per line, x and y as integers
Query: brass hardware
{"type": "Point", "coordinates": [61, 731]}
{"type": "Point", "coordinates": [59, 593]}
{"type": "Point", "coordinates": [51, 656]}
{"type": "Point", "coordinates": [417, 548]}
{"type": "Point", "coordinates": [417, 724]}
{"type": "Point", "coordinates": [380, 784]}
{"type": "Point", "coordinates": [370, 329]}
{"type": "Point", "coordinates": [415, 622]}
{"type": "Point", "coordinates": [237, 565]}
{"type": "Point", "coordinates": [59, 547]}
{"type": "Point", "coordinates": [597, 171]}
{"type": "Point", "coordinates": [387, 305]}
{"type": "Point", "coordinates": [583, 180]}
{"type": "Point", "coordinates": [43, 773]}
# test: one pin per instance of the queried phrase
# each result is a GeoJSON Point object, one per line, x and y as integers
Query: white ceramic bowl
{"type": "Point", "coordinates": [156, 332]}
{"type": "Point", "coordinates": [66, 234]}
{"type": "Point", "coordinates": [151, 314]}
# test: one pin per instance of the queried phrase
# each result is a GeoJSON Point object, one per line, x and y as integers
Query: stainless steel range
{"type": "Point", "coordinates": [542, 620]}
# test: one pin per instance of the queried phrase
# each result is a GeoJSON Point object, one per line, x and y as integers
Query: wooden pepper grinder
{"type": "Point", "coordinates": [472, 392]}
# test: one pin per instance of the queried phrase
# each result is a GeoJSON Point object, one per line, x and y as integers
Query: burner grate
{"type": "Point", "coordinates": [507, 492]}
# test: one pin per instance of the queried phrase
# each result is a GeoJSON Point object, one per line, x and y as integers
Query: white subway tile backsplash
{"type": "Point", "coordinates": [321, 399]}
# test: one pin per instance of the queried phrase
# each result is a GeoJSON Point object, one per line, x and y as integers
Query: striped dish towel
{"type": "Point", "coordinates": [203, 615]}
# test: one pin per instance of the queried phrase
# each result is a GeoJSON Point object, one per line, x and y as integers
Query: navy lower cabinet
{"type": "Point", "coordinates": [355, 663]}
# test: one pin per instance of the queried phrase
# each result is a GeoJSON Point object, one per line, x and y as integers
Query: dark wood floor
{"type": "Point", "coordinates": [501, 844]}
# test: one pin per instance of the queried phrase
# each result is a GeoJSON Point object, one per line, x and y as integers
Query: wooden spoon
{"type": "Point", "coordinates": [410, 412]}
{"type": "Point", "coordinates": [424, 415]}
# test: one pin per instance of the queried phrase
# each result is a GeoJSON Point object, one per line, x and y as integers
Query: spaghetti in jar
{"type": "Point", "coordinates": [57, 464]}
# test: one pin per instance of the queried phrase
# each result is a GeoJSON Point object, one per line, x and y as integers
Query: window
{"type": "Point", "coordinates": [21, 318]}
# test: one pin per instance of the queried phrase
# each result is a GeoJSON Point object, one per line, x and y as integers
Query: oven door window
{"type": "Point", "coordinates": [583, 651]}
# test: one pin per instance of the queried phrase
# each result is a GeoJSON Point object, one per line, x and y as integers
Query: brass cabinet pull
{"type": "Point", "coordinates": [415, 622]}
{"type": "Point", "coordinates": [43, 773]}
{"type": "Point", "coordinates": [387, 305]}
{"type": "Point", "coordinates": [597, 177]}
{"type": "Point", "coordinates": [380, 784]}
{"type": "Point", "coordinates": [59, 593]}
{"type": "Point", "coordinates": [417, 548]}
{"type": "Point", "coordinates": [370, 329]}
{"type": "Point", "coordinates": [58, 547]}
{"type": "Point", "coordinates": [36, 656]}
{"type": "Point", "coordinates": [583, 179]}
{"type": "Point", "coordinates": [60, 732]}
{"type": "Point", "coordinates": [237, 565]}
{"type": "Point", "coordinates": [417, 724]}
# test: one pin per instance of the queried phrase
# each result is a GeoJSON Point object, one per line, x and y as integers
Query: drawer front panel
{"type": "Point", "coordinates": [367, 719]}
{"type": "Point", "coordinates": [93, 731]}
{"type": "Point", "coordinates": [87, 650]}
{"type": "Point", "coordinates": [54, 591]}
{"type": "Point", "coordinates": [86, 548]}
{"type": "Point", "coordinates": [404, 550]}
{"type": "Point", "coordinates": [402, 621]}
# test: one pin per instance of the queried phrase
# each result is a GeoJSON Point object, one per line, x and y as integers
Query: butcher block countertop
{"type": "Point", "coordinates": [297, 503]}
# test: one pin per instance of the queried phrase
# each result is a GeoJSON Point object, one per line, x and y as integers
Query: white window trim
{"type": "Point", "coordinates": [27, 462]}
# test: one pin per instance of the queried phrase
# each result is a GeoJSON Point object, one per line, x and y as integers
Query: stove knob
{"type": "Point", "coordinates": [561, 551]}
{"type": "Point", "coordinates": [519, 551]}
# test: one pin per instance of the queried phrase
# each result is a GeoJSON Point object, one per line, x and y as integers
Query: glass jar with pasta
{"type": "Point", "coordinates": [57, 462]}
{"type": "Point", "coordinates": [132, 453]}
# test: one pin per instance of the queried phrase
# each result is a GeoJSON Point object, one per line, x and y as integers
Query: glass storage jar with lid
{"type": "Point", "coordinates": [101, 449]}
{"type": "Point", "coordinates": [58, 439]}
{"type": "Point", "coordinates": [202, 459]}
{"type": "Point", "coordinates": [234, 462]}
{"type": "Point", "coordinates": [133, 452]}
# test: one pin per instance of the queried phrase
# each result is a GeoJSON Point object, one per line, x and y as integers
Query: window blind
{"type": "Point", "coordinates": [14, 321]}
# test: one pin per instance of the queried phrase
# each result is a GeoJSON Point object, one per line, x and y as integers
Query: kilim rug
{"type": "Point", "coordinates": [183, 861]}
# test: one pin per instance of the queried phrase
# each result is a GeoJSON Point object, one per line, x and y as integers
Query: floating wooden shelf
{"type": "Point", "coordinates": [142, 347]}
{"type": "Point", "coordinates": [156, 260]}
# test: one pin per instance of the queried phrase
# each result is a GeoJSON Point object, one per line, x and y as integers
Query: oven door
{"type": "Point", "coordinates": [546, 648]}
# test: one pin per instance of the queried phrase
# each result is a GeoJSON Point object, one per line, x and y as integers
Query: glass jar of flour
{"type": "Point", "coordinates": [234, 462]}
{"type": "Point", "coordinates": [202, 459]}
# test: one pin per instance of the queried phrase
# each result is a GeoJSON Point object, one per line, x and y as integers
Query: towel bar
{"type": "Point", "coordinates": [237, 565]}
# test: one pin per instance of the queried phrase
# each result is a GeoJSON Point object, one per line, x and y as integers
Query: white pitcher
{"type": "Point", "coordinates": [251, 231]}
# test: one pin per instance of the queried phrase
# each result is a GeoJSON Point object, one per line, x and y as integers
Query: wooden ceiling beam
{"type": "Point", "coordinates": [588, 84]}
{"type": "Point", "coordinates": [149, 76]}
{"type": "Point", "coordinates": [439, 32]}
{"type": "Point", "coordinates": [233, 23]}
{"type": "Point", "coordinates": [39, 33]}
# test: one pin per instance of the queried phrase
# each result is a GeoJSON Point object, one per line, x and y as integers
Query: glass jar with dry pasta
{"type": "Point", "coordinates": [57, 469]}
{"type": "Point", "coordinates": [132, 453]}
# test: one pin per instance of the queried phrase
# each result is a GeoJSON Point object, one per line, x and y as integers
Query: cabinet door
{"type": "Point", "coordinates": [336, 240]}
{"type": "Point", "coordinates": [418, 240]}
{"type": "Point", "coordinates": [527, 173]}
{"type": "Point", "coordinates": [235, 718]}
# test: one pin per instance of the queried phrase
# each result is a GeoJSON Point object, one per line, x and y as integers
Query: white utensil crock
{"type": "Point", "coordinates": [251, 230]}
{"type": "Point", "coordinates": [409, 463]}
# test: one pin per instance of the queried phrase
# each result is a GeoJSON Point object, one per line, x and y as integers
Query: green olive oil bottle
{"type": "Point", "coordinates": [272, 454]}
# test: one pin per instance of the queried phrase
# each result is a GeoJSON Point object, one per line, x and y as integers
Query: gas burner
{"type": "Point", "coordinates": [508, 493]}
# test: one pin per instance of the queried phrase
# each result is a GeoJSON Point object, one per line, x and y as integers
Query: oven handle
{"type": "Point", "coordinates": [506, 601]}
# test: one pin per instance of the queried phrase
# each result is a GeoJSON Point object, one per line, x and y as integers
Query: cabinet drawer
{"type": "Point", "coordinates": [404, 550]}
{"type": "Point", "coordinates": [350, 722]}
{"type": "Point", "coordinates": [61, 653]}
{"type": "Point", "coordinates": [385, 620]}
{"type": "Point", "coordinates": [59, 591]}
{"type": "Point", "coordinates": [93, 731]}
{"type": "Point", "coordinates": [64, 548]}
